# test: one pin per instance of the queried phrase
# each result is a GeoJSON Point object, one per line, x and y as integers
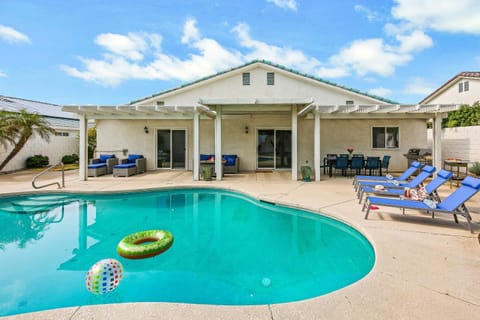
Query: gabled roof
{"type": "Point", "coordinates": [271, 64]}
{"type": "Point", "coordinates": [461, 75]}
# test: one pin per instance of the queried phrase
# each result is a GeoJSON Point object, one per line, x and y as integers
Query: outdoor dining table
{"type": "Point", "coordinates": [329, 162]}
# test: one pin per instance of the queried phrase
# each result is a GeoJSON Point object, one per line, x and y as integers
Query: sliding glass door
{"type": "Point", "coordinates": [171, 149]}
{"type": "Point", "coordinates": [274, 149]}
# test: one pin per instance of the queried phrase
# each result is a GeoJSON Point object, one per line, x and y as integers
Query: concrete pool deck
{"type": "Point", "coordinates": [425, 269]}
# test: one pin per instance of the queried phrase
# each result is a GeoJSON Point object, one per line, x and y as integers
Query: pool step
{"type": "Point", "coordinates": [33, 205]}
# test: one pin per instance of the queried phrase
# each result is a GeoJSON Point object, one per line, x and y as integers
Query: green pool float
{"type": "Point", "coordinates": [134, 246]}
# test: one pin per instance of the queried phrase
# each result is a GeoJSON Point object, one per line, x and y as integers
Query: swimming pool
{"type": "Point", "coordinates": [229, 249]}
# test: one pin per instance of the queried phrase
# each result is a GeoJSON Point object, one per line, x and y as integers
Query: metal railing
{"type": "Point", "coordinates": [50, 184]}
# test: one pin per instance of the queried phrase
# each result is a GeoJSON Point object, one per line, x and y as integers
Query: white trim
{"type": "Point", "coordinates": [316, 147]}
{"type": "Point", "coordinates": [218, 143]}
{"type": "Point", "coordinates": [294, 134]}
{"type": "Point", "coordinates": [196, 146]}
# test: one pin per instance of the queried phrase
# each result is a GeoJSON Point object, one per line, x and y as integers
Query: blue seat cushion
{"type": "Point", "coordinates": [206, 157]}
{"type": "Point", "coordinates": [125, 165]}
{"type": "Point", "coordinates": [133, 157]}
{"type": "Point", "coordinates": [230, 159]}
{"type": "Point", "coordinates": [96, 165]}
{"type": "Point", "coordinates": [104, 157]}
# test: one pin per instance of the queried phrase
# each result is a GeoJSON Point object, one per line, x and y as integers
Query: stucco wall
{"type": "Point", "coordinates": [55, 149]}
{"type": "Point", "coordinates": [461, 142]}
{"type": "Point", "coordinates": [115, 135]}
{"type": "Point", "coordinates": [451, 94]}
{"type": "Point", "coordinates": [286, 86]}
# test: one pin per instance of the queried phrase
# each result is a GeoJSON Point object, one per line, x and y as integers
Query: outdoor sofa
{"type": "Point", "coordinates": [231, 165]}
{"type": "Point", "coordinates": [102, 165]}
{"type": "Point", "coordinates": [134, 164]}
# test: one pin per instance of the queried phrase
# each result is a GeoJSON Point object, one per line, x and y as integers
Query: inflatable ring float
{"type": "Point", "coordinates": [134, 246]}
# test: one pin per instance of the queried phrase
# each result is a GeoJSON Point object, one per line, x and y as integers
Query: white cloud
{"type": "Point", "coordinates": [139, 56]}
{"type": "Point", "coordinates": [418, 86]}
{"type": "Point", "coordinates": [380, 92]}
{"type": "Point", "coordinates": [132, 46]}
{"type": "Point", "coordinates": [450, 16]}
{"type": "Point", "coordinates": [11, 35]}
{"type": "Point", "coordinates": [285, 4]}
{"type": "Point", "coordinates": [370, 14]}
{"type": "Point", "coordinates": [2, 74]}
{"type": "Point", "coordinates": [282, 55]}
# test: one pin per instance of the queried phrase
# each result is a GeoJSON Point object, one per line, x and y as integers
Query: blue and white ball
{"type": "Point", "coordinates": [104, 276]}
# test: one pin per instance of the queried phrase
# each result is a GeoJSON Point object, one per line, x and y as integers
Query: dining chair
{"type": "Point", "coordinates": [341, 163]}
{"type": "Point", "coordinates": [385, 163]}
{"type": "Point", "coordinates": [372, 164]}
{"type": "Point", "coordinates": [356, 164]}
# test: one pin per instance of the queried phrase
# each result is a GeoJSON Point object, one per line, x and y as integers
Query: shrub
{"type": "Point", "coordinates": [70, 158]}
{"type": "Point", "coordinates": [475, 168]}
{"type": "Point", "coordinates": [37, 161]}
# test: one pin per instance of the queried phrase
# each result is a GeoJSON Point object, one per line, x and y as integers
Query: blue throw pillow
{"type": "Point", "coordinates": [230, 159]}
{"type": "Point", "coordinates": [133, 157]}
{"type": "Point", "coordinates": [104, 157]}
{"type": "Point", "coordinates": [204, 157]}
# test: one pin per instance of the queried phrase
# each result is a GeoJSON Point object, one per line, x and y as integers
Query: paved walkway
{"type": "Point", "coordinates": [425, 269]}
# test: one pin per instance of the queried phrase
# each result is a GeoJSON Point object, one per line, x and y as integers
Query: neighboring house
{"type": "Point", "coordinates": [460, 142]}
{"type": "Point", "coordinates": [272, 117]}
{"type": "Point", "coordinates": [464, 88]}
{"type": "Point", "coordinates": [63, 142]}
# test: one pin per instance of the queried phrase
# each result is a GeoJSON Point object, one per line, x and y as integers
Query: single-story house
{"type": "Point", "coordinates": [464, 88]}
{"type": "Point", "coordinates": [271, 117]}
{"type": "Point", "coordinates": [63, 142]}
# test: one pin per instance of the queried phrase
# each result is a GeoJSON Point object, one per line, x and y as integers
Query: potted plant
{"type": "Point", "coordinates": [306, 172]}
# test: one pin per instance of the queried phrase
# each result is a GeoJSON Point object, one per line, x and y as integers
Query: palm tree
{"type": "Point", "coordinates": [17, 127]}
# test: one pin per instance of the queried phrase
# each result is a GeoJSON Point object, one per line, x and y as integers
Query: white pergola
{"type": "Point", "coordinates": [298, 108]}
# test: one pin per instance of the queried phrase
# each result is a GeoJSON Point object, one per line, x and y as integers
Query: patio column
{"type": "Point", "coordinates": [83, 152]}
{"type": "Point", "coordinates": [294, 143]}
{"type": "Point", "coordinates": [437, 141]}
{"type": "Point", "coordinates": [196, 145]}
{"type": "Point", "coordinates": [316, 147]}
{"type": "Point", "coordinates": [218, 143]}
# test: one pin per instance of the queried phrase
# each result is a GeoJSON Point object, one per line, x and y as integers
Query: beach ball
{"type": "Point", "coordinates": [104, 276]}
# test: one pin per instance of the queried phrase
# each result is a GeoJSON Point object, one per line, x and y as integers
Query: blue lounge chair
{"type": "Point", "coordinates": [453, 204]}
{"type": "Point", "coordinates": [427, 171]}
{"type": "Point", "coordinates": [431, 188]}
{"type": "Point", "coordinates": [402, 178]}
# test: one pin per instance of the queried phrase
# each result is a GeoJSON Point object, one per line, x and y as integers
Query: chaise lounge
{"type": "Point", "coordinates": [134, 164]}
{"type": "Point", "coordinates": [415, 165]}
{"type": "Point", "coordinates": [103, 165]}
{"type": "Point", "coordinates": [430, 189]}
{"type": "Point", "coordinates": [453, 204]}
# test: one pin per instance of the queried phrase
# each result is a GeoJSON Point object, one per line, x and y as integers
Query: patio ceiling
{"type": "Point", "coordinates": [139, 111]}
{"type": "Point", "coordinates": [376, 111]}
{"type": "Point", "coordinates": [272, 105]}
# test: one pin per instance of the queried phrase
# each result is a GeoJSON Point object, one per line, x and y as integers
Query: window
{"type": "Point", "coordinates": [160, 103]}
{"type": "Point", "coordinates": [270, 78]}
{"type": "Point", "coordinates": [460, 87]}
{"type": "Point", "coordinates": [349, 102]}
{"type": "Point", "coordinates": [465, 86]}
{"type": "Point", "coordinates": [61, 134]}
{"type": "Point", "coordinates": [246, 78]}
{"type": "Point", "coordinates": [385, 137]}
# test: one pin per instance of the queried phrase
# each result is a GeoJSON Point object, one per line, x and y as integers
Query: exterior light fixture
{"type": "Point", "coordinates": [145, 129]}
{"type": "Point", "coordinates": [246, 129]}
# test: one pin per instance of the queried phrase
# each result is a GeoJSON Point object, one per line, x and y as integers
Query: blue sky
{"type": "Point", "coordinates": [113, 52]}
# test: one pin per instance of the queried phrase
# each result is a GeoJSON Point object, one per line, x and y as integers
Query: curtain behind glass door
{"type": "Point", "coordinates": [266, 149]}
{"type": "Point", "coordinates": [163, 148]}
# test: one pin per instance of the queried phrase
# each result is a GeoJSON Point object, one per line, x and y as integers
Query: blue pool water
{"type": "Point", "coordinates": [229, 249]}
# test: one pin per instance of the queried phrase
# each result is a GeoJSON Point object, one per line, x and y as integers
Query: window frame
{"type": "Point", "coordinates": [270, 78]}
{"type": "Point", "coordinates": [386, 134]}
{"type": "Point", "coordinates": [246, 78]}
{"type": "Point", "coordinates": [460, 87]}
{"type": "Point", "coordinates": [466, 86]}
